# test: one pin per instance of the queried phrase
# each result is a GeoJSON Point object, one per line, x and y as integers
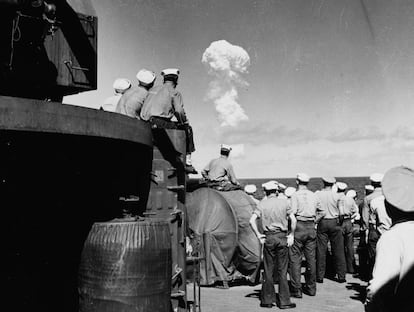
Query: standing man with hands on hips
{"type": "Point", "coordinates": [274, 214]}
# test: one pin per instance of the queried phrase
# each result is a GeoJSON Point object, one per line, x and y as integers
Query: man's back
{"type": "Point", "coordinates": [110, 104]}
{"type": "Point", "coordinates": [164, 101]}
{"type": "Point", "coordinates": [305, 204]}
{"type": "Point", "coordinates": [220, 169]}
{"type": "Point", "coordinates": [367, 216]}
{"type": "Point", "coordinates": [393, 275]}
{"type": "Point", "coordinates": [131, 102]}
{"type": "Point", "coordinates": [274, 212]}
{"type": "Point", "coordinates": [328, 201]}
{"type": "Point", "coordinates": [377, 207]}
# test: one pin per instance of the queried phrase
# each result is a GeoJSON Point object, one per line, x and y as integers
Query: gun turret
{"type": "Point", "coordinates": [47, 49]}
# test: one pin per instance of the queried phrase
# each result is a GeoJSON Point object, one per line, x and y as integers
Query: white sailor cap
{"type": "Point", "coordinates": [369, 187]}
{"type": "Point", "coordinates": [303, 177]}
{"type": "Point", "coordinates": [170, 71]}
{"type": "Point", "coordinates": [329, 179]}
{"type": "Point", "coordinates": [341, 186]}
{"type": "Point", "coordinates": [225, 147]}
{"type": "Point", "coordinates": [376, 177]}
{"type": "Point", "coordinates": [145, 76]}
{"type": "Point", "coordinates": [281, 186]}
{"type": "Point", "coordinates": [351, 193]}
{"type": "Point", "coordinates": [121, 84]}
{"type": "Point", "coordinates": [289, 191]}
{"type": "Point", "coordinates": [275, 182]}
{"type": "Point", "coordinates": [270, 185]}
{"type": "Point", "coordinates": [398, 186]}
{"type": "Point", "coordinates": [250, 188]}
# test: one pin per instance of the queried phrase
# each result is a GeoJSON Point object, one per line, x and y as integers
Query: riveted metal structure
{"type": "Point", "coordinates": [167, 201]}
{"type": "Point", "coordinates": [63, 168]}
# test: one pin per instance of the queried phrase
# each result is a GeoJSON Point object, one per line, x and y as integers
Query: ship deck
{"type": "Point", "coordinates": [331, 296]}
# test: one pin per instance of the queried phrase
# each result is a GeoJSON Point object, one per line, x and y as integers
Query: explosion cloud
{"type": "Point", "coordinates": [226, 63]}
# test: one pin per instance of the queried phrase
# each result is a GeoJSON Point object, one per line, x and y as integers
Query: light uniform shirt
{"type": "Point", "coordinates": [274, 213]}
{"type": "Point", "coordinates": [305, 204]}
{"type": "Point", "coordinates": [377, 208]}
{"type": "Point", "coordinates": [164, 101]}
{"type": "Point", "coordinates": [348, 204]}
{"type": "Point", "coordinates": [329, 203]}
{"type": "Point", "coordinates": [394, 258]}
{"type": "Point", "coordinates": [220, 169]}
{"type": "Point", "coordinates": [110, 103]}
{"type": "Point", "coordinates": [367, 217]}
{"type": "Point", "coordinates": [282, 196]}
{"type": "Point", "coordinates": [131, 101]}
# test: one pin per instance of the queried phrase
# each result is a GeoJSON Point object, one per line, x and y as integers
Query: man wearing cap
{"type": "Point", "coordinates": [131, 101]}
{"type": "Point", "coordinates": [277, 238]}
{"type": "Point", "coordinates": [165, 102]}
{"type": "Point", "coordinates": [281, 190]}
{"type": "Point", "coordinates": [350, 211]}
{"type": "Point", "coordinates": [363, 265]}
{"type": "Point", "coordinates": [330, 228]}
{"type": "Point", "coordinates": [391, 287]}
{"type": "Point", "coordinates": [307, 209]}
{"type": "Point", "coordinates": [353, 194]}
{"type": "Point", "coordinates": [120, 85]}
{"type": "Point", "coordinates": [289, 191]}
{"type": "Point", "coordinates": [375, 217]}
{"type": "Point", "coordinates": [219, 172]}
{"type": "Point", "coordinates": [250, 189]}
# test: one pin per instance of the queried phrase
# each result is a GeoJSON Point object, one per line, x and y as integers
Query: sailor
{"type": "Point", "coordinates": [132, 100]}
{"type": "Point", "coordinates": [219, 172]}
{"type": "Point", "coordinates": [330, 228]}
{"type": "Point", "coordinates": [281, 190]}
{"type": "Point", "coordinates": [362, 249]}
{"type": "Point", "coordinates": [307, 209]}
{"type": "Point", "coordinates": [353, 194]}
{"type": "Point", "coordinates": [289, 191]}
{"type": "Point", "coordinates": [250, 189]}
{"type": "Point", "coordinates": [277, 238]}
{"type": "Point", "coordinates": [391, 287]}
{"type": "Point", "coordinates": [164, 102]}
{"type": "Point", "coordinates": [120, 85]}
{"type": "Point", "coordinates": [376, 219]}
{"type": "Point", "coordinates": [350, 211]}
{"type": "Point", "coordinates": [368, 189]}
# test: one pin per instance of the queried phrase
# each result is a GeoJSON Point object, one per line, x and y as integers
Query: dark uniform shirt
{"type": "Point", "coordinates": [164, 101]}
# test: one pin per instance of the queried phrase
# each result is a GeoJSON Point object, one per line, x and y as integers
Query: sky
{"type": "Point", "coordinates": [317, 86]}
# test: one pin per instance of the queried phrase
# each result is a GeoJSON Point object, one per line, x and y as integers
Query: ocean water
{"type": "Point", "coordinates": [356, 183]}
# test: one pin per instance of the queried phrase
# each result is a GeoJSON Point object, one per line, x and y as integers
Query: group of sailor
{"type": "Point", "coordinates": [160, 104]}
{"type": "Point", "coordinates": [298, 223]}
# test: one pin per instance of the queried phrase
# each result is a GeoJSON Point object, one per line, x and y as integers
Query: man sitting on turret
{"type": "Point", "coordinates": [120, 85]}
{"type": "Point", "coordinates": [165, 102]}
{"type": "Point", "coordinates": [219, 172]}
{"type": "Point", "coordinates": [132, 100]}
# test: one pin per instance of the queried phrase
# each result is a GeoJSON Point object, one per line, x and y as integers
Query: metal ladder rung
{"type": "Point", "coordinates": [175, 187]}
{"type": "Point", "coordinates": [178, 294]}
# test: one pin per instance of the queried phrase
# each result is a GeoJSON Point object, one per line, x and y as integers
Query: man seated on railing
{"type": "Point", "coordinates": [165, 102]}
